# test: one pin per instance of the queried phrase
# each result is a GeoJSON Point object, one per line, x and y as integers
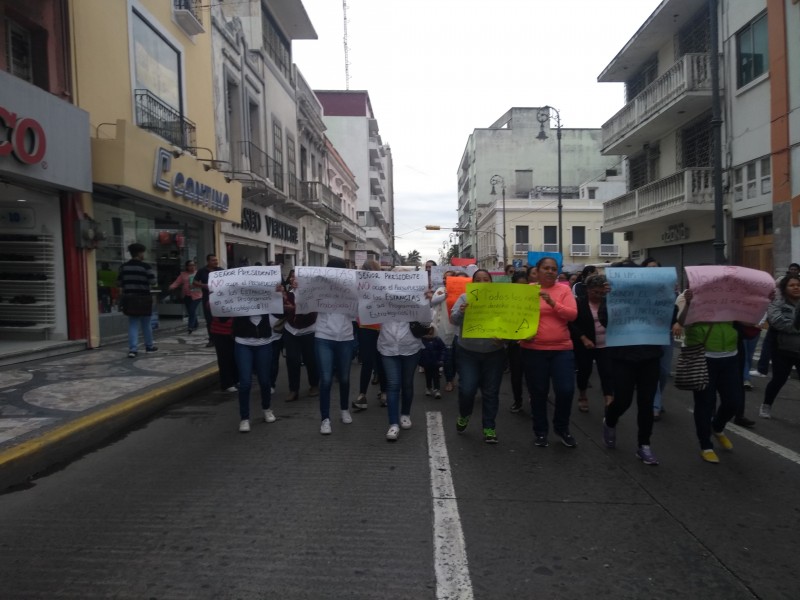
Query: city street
{"type": "Point", "coordinates": [186, 507]}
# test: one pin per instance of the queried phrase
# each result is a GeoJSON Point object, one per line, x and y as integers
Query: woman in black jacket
{"type": "Point", "coordinates": [253, 351]}
{"type": "Point", "coordinates": [589, 340]}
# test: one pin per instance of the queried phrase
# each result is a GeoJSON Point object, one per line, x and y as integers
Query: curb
{"type": "Point", "coordinates": [69, 440]}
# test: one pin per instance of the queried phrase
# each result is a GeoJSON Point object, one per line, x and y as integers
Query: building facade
{"type": "Point", "coordinates": [665, 132]}
{"type": "Point", "coordinates": [508, 192]}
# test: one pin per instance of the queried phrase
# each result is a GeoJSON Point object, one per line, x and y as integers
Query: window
{"type": "Point", "coordinates": [291, 165]}
{"type": "Point", "coordinates": [578, 234]}
{"type": "Point", "coordinates": [766, 176]}
{"type": "Point", "coordinates": [156, 64]}
{"type": "Point", "coordinates": [20, 55]}
{"type": "Point", "coordinates": [606, 237]}
{"type": "Point", "coordinates": [521, 234]}
{"type": "Point", "coordinates": [752, 180]}
{"type": "Point", "coordinates": [695, 144]}
{"type": "Point", "coordinates": [550, 234]}
{"type": "Point", "coordinates": [277, 153]}
{"type": "Point", "coordinates": [276, 45]}
{"type": "Point", "coordinates": [751, 50]}
{"type": "Point", "coordinates": [592, 193]}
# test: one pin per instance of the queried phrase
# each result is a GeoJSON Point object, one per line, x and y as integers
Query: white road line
{"type": "Point", "coordinates": [450, 554]}
{"type": "Point", "coordinates": [765, 443]}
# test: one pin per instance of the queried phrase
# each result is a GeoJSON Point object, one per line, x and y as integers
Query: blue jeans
{"type": "Point", "coordinates": [749, 348]}
{"type": "Point", "coordinates": [133, 332]}
{"type": "Point", "coordinates": [540, 367]}
{"type": "Point", "coordinates": [248, 360]}
{"type": "Point", "coordinates": [725, 377]}
{"type": "Point", "coordinates": [484, 371]}
{"type": "Point", "coordinates": [191, 310]}
{"type": "Point", "coordinates": [399, 372]}
{"type": "Point", "coordinates": [332, 355]}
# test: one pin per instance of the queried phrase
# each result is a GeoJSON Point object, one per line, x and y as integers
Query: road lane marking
{"type": "Point", "coordinates": [765, 443]}
{"type": "Point", "coordinates": [450, 553]}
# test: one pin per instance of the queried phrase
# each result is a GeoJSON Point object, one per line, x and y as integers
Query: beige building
{"type": "Point", "coordinates": [508, 192]}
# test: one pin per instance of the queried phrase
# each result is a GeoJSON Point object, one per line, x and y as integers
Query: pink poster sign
{"type": "Point", "coordinates": [728, 293]}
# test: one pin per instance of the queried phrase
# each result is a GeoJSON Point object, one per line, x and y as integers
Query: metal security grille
{"type": "Point", "coordinates": [694, 144]}
{"type": "Point", "coordinates": [695, 36]}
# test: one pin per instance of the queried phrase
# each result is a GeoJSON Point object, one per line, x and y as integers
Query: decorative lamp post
{"type": "Point", "coordinates": [497, 179]}
{"type": "Point", "coordinates": [545, 114]}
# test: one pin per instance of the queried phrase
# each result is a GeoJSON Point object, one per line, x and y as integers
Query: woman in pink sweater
{"type": "Point", "coordinates": [191, 295]}
{"type": "Point", "coordinates": [548, 356]}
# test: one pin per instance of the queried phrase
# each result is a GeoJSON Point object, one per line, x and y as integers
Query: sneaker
{"type": "Point", "coordinates": [346, 418]}
{"type": "Point", "coordinates": [748, 385]}
{"type": "Point", "coordinates": [360, 403]}
{"type": "Point", "coordinates": [393, 433]}
{"type": "Point", "coordinates": [609, 436]}
{"type": "Point", "coordinates": [269, 416]}
{"type": "Point", "coordinates": [448, 387]}
{"type": "Point", "coordinates": [723, 440]}
{"type": "Point", "coordinates": [151, 349]}
{"type": "Point", "coordinates": [292, 397]}
{"type": "Point", "coordinates": [422, 369]}
{"type": "Point", "coordinates": [437, 394]}
{"type": "Point", "coordinates": [461, 424]}
{"type": "Point", "coordinates": [489, 436]}
{"type": "Point", "coordinates": [382, 398]}
{"type": "Point", "coordinates": [405, 422]}
{"type": "Point", "coordinates": [755, 373]}
{"type": "Point", "coordinates": [541, 441]}
{"type": "Point", "coordinates": [313, 391]}
{"type": "Point", "coordinates": [744, 422]}
{"type": "Point", "coordinates": [232, 388]}
{"type": "Point", "coordinates": [429, 392]}
{"type": "Point", "coordinates": [516, 407]}
{"type": "Point", "coordinates": [244, 426]}
{"type": "Point", "coordinates": [765, 412]}
{"type": "Point", "coordinates": [272, 390]}
{"type": "Point", "coordinates": [567, 439]}
{"type": "Point", "coordinates": [646, 455]}
{"type": "Point", "coordinates": [132, 354]}
{"type": "Point", "coordinates": [709, 456]}
{"type": "Point", "coordinates": [325, 427]}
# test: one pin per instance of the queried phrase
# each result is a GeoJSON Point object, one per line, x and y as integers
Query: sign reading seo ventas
{"type": "Point", "coordinates": [42, 139]}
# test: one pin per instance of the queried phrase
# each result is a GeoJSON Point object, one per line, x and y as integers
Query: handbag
{"type": "Point", "coordinates": [691, 370]}
{"type": "Point", "coordinates": [137, 305]}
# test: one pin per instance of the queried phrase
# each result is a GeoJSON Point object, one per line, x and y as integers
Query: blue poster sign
{"type": "Point", "coordinates": [640, 305]}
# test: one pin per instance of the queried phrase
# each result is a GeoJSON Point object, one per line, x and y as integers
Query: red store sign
{"type": "Point", "coordinates": [23, 137]}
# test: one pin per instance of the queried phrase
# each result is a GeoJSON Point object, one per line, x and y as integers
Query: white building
{"type": "Point", "coordinates": [522, 213]}
{"type": "Point", "coordinates": [353, 129]}
{"type": "Point", "coordinates": [665, 132]}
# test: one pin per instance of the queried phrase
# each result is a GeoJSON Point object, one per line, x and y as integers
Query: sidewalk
{"type": "Point", "coordinates": [55, 408]}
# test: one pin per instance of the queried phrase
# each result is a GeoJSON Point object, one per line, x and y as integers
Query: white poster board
{"type": "Point", "coordinates": [245, 291]}
{"type": "Point", "coordinates": [326, 290]}
{"type": "Point", "coordinates": [393, 296]}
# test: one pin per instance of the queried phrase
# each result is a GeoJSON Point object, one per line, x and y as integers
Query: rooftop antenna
{"type": "Point", "coordinates": [346, 48]}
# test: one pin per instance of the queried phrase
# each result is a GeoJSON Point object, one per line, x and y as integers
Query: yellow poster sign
{"type": "Point", "coordinates": [508, 311]}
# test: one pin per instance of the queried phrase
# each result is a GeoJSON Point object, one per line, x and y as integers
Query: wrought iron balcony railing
{"type": "Point", "coordinates": [154, 115]}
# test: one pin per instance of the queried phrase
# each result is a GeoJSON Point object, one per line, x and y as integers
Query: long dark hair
{"type": "Point", "coordinates": [482, 271]}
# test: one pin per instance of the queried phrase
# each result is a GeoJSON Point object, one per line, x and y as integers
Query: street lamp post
{"type": "Point", "coordinates": [494, 181]}
{"type": "Point", "coordinates": [543, 116]}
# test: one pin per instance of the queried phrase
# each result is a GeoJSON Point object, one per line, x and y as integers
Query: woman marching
{"type": "Point", "coordinates": [784, 317]}
{"type": "Point", "coordinates": [192, 296]}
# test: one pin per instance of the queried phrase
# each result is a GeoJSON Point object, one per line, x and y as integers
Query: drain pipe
{"type": "Point", "coordinates": [716, 142]}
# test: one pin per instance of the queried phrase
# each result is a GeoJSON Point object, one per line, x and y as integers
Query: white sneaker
{"type": "Point", "coordinates": [437, 394]}
{"type": "Point", "coordinates": [325, 427]}
{"type": "Point", "coordinates": [429, 392]}
{"type": "Point", "coordinates": [233, 388]}
{"type": "Point", "coordinates": [755, 373]}
{"type": "Point", "coordinates": [393, 433]}
{"type": "Point", "coordinates": [765, 411]}
{"type": "Point", "coordinates": [405, 421]}
{"type": "Point", "coordinates": [269, 416]}
{"type": "Point", "coordinates": [346, 418]}
{"type": "Point", "coordinates": [244, 426]}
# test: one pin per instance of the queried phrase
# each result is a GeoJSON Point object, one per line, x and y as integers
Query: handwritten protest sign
{"type": "Point", "coordinates": [455, 287]}
{"type": "Point", "coordinates": [392, 296]}
{"type": "Point", "coordinates": [640, 305]}
{"type": "Point", "coordinates": [728, 293]}
{"type": "Point", "coordinates": [534, 257]}
{"type": "Point", "coordinates": [437, 275]}
{"type": "Point", "coordinates": [326, 290]}
{"type": "Point", "coordinates": [501, 310]}
{"type": "Point", "coordinates": [245, 291]}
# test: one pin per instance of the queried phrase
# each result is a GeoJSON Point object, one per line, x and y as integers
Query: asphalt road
{"type": "Point", "coordinates": [186, 507]}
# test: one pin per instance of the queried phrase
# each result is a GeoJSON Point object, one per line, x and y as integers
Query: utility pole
{"type": "Point", "coordinates": [346, 48]}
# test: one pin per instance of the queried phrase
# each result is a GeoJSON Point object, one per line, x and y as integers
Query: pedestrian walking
{"type": "Point", "coordinates": [431, 359]}
{"type": "Point", "coordinates": [370, 358]}
{"type": "Point", "coordinates": [191, 295]}
{"type": "Point", "coordinates": [135, 281]}
{"type": "Point", "coordinates": [399, 349]}
{"type": "Point", "coordinates": [200, 281]}
{"type": "Point", "coordinates": [253, 352]}
{"type": "Point", "coordinates": [784, 318]}
{"type": "Point", "coordinates": [298, 342]}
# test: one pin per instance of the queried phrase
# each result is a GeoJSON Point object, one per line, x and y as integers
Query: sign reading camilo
{"type": "Point", "coordinates": [24, 139]}
{"type": "Point", "coordinates": [245, 291]}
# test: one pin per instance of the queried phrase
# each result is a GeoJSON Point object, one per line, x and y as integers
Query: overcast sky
{"type": "Point", "coordinates": [437, 69]}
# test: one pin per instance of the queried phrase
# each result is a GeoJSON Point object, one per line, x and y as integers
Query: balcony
{"type": "Point", "coordinates": [376, 208]}
{"type": "Point", "coordinates": [188, 16]}
{"type": "Point", "coordinates": [580, 250]}
{"type": "Point", "coordinates": [522, 249]}
{"type": "Point", "coordinates": [611, 250]}
{"type": "Point", "coordinates": [690, 190]}
{"type": "Point", "coordinates": [682, 93]}
{"type": "Point", "coordinates": [348, 230]}
{"type": "Point", "coordinates": [156, 116]}
{"type": "Point", "coordinates": [322, 200]}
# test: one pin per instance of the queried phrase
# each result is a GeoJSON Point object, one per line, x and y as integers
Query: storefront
{"type": "Point", "coordinates": [283, 236]}
{"type": "Point", "coordinates": [148, 192]}
{"type": "Point", "coordinates": [245, 242]}
{"type": "Point", "coordinates": [44, 163]}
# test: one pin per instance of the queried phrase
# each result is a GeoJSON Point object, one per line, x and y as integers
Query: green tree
{"type": "Point", "coordinates": [413, 258]}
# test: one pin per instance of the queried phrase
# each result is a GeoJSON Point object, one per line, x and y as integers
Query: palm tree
{"type": "Point", "coordinates": [413, 258]}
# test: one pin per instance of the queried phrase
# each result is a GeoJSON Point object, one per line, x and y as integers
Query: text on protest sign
{"type": "Point", "coordinates": [437, 275]}
{"type": "Point", "coordinates": [640, 305]}
{"type": "Point", "coordinates": [245, 291]}
{"type": "Point", "coordinates": [326, 290]}
{"type": "Point", "coordinates": [728, 293]}
{"type": "Point", "coordinates": [501, 310]}
{"type": "Point", "coordinates": [392, 296]}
